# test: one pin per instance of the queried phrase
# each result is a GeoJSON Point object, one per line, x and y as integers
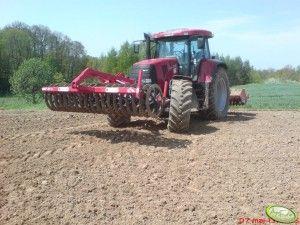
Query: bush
{"type": "Point", "coordinates": [255, 77]}
{"type": "Point", "coordinates": [58, 78]}
{"type": "Point", "coordinates": [30, 77]}
{"type": "Point", "coordinates": [239, 71]}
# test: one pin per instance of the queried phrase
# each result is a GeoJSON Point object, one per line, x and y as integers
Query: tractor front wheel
{"type": "Point", "coordinates": [180, 105]}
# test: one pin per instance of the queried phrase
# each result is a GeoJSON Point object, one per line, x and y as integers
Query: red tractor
{"type": "Point", "coordinates": [177, 77]}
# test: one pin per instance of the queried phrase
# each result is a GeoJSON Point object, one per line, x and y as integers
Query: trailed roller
{"type": "Point", "coordinates": [238, 97]}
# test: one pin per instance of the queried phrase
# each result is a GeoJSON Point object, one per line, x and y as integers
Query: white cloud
{"type": "Point", "coordinates": [244, 28]}
{"type": "Point", "coordinates": [225, 24]}
{"type": "Point", "coordinates": [263, 37]}
{"type": "Point", "coordinates": [264, 46]}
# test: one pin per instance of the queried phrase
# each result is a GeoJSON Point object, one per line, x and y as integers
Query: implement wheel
{"type": "Point", "coordinates": [180, 106]}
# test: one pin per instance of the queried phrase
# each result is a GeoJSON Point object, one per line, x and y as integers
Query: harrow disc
{"type": "Point", "coordinates": [149, 102]}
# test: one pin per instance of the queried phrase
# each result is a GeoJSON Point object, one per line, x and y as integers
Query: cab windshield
{"type": "Point", "coordinates": [176, 49]}
{"type": "Point", "coordinates": [179, 48]}
{"type": "Point", "coordinates": [171, 48]}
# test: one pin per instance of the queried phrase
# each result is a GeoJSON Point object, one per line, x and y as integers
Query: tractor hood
{"type": "Point", "coordinates": [157, 61]}
{"type": "Point", "coordinates": [156, 71]}
{"type": "Point", "coordinates": [159, 67]}
{"type": "Point", "coordinates": [162, 66]}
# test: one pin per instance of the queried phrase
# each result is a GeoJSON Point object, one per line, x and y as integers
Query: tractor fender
{"type": "Point", "coordinates": [221, 64]}
{"type": "Point", "coordinates": [208, 69]}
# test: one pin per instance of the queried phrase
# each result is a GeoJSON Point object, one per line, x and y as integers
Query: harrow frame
{"type": "Point", "coordinates": [116, 94]}
{"type": "Point", "coordinates": [104, 78]}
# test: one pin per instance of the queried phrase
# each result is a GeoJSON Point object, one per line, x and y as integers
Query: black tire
{"type": "Point", "coordinates": [219, 95]}
{"type": "Point", "coordinates": [180, 106]}
{"type": "Point", "coordinates": [117, 120]}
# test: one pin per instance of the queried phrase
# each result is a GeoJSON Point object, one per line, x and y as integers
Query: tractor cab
{"type": "Point", "coordinates": [188, 46]}
{"type": "Point", "coordinates": [187, 50]}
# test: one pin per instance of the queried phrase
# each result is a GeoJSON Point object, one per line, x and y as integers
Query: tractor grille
{"type": "Point", "coordinates": [149, 73]}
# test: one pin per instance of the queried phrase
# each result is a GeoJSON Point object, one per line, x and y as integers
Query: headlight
{"type": "Point", "coordinates": [147, 81]}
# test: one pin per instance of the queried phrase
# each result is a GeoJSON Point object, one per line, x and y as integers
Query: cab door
{"type": "Point", "coordinates": [205, 66]}
{"type": "Point", "coordinates": [196, 56]}
{"type": "Point", "coordinates": [199, 57]}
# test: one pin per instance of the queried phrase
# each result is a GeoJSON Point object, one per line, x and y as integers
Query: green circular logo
{"type": "Point", "coordinates": [281, 214]}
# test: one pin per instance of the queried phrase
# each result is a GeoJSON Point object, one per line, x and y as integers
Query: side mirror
{"type": "Point", "coordinates": [136, 48]}
{"type": "Point", "coordinates": [200, 43]}
{"type": "Point", "coordinates": [213, 57]}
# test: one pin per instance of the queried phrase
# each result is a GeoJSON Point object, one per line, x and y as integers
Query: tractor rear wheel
{"type": "Point", "coordinates": [219, 95]}
{"type": "Point", "coordinates": [180, 105]}
{"type": "Point", "coordinates": [117, 120]}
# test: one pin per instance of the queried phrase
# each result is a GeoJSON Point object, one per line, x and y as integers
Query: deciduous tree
{"type": "Point", "coordinates": [31, 76]}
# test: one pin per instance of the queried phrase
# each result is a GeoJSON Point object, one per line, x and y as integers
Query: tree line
{"type": "Point", "coordinates": [20, 42]}
{"type": "Point", "coordinates": [33, 56]}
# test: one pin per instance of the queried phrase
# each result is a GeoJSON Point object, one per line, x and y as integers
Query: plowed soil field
{"type": "Point", "coordinates": [69, 168]}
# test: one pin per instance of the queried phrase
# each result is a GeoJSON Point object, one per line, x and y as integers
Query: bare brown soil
{"type": "Point", "coordinates": [68, 168]}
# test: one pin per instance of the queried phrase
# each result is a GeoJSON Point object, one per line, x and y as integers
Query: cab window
{"type": "Point", "coordinates": [198, 54]}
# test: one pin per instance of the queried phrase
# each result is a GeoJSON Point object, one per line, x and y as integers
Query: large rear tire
{"type": "Point", "coordinates": [180, 106]}
{"type": "Point", "coordinates": [219, 95]}
{"type": "Point", "coordinates": [117, 120]}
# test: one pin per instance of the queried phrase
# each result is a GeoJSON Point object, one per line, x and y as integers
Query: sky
{"type": "Point", "coordinates": [266, 32]}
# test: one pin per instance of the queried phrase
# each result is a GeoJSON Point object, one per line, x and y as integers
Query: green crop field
{"type": "Point", "coordinates": [272, 95]}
